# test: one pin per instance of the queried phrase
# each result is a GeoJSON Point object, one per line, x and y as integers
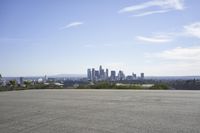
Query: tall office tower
{"type": "Point", "coordinates": [106, 74]}
{"type": "Point", "coordinates": [134, 75]}
{"type": "Point", "coordinates": [100, 68]}
{"type": "Point", "coordinates": [142, 75]}
{"type": "Point", "coordinates": [97, 76]}
{"type": "Point", "coordinates": [101, 73]}
{"type": "Point", "coordinates": [112, 75]}
{"type": "Point", "coordinates": [89, 74]}
{"type": "Point", "coordinates": [93, 74]}
{"type": "Point", "coordinates": [121, 75]}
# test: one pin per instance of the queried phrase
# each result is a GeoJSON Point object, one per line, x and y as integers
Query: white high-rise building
{"type": "Point", "coordinates": [89, 74]}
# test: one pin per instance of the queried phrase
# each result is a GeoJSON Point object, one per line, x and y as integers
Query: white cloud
{"type": "Point", "coordinates": [193, 29]}
{"type": "Point", "coordinates": [176, 61]}
{"type": "Point", "coordinates": [73, 24]}
{"type": "Point", "coordinates": [172, 69]}
{"type": "Point", "coordinates": [150, 12]}
{"type": "Point", "coordinates": [179, 54]}
{"type": "Point", "coordinates": [162, 6]}
{"type": "Point", "coordinates": [154, 39]}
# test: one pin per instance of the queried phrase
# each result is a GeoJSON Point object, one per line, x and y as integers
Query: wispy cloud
{"type": "Point", "coordinates": [154, 39]}
{"type": "Point", "coordinates": [161, 6]}
{"type": "Point", "coordinates": [150, 12]}
{"type": "Point", "coordinates": [72, 24]}
{"type": "Point", "coordinates": [193, 29]}
{"type": "Point", "coordinates": [174, 68]}
{"type": "Point", "coordinates": [179, 54]}
{"type": "Point", "coordinates": [176, 61]}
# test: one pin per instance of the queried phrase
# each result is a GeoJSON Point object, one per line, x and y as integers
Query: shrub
{"type": "Point", "coordinates": [159, 87]}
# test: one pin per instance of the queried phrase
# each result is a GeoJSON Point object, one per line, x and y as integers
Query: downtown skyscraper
{"type": "Point", "coordinates": [97, 75]}
{"type": "Point", "coordinates": [102, 75]}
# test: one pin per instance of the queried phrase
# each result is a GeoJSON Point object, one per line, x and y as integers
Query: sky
{"type": "Point", "coordinates": [48, 37]}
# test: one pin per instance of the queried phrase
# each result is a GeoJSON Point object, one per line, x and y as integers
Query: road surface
{"type": "Point", "coordinates": [99, 111]}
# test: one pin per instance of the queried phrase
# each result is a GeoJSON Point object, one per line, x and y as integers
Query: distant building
{"type": "Point", "coordinates": [89, 74]}
{"type": "Point", "coordinates": [93, 74]}
{"type": "Point", "coordinates": [129, 77]}
{"type": "Point", "coordinates": [21, 81]}
{"type": "Point", "coordinates": [142, 75]}
{"type": "Point", "coordinates": [101, 73]}
{"type": "Point", "coordinates": [1, 81]}
{"type": "Point", "coordinates": [113, 75]}
{"type": "Point", "coordinates": [45, 78]}
{"type": "Point", "coordinates": [121, 75]}
{"type": "Point", "coordinates": [4, 83]}
{"type": "Point", "coordinates": [100, 70]}
{"type": "Point", "coordinates": [107, 76]}
{"type": "Point", "coordinates": [134, 75]}
{"type": "Point", "coordinates": [97, 76]}
{"type": "Point", "coordinates": [49, 79]}
{"type": "Point", "coordinates": [40, 80]}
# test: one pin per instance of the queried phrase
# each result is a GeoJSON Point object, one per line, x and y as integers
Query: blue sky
{"type": "Point", "coordinates": [157, 37]}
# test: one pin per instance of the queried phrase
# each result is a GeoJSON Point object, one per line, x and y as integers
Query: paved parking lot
{"type": "Point", "coordinates": [99, 111]}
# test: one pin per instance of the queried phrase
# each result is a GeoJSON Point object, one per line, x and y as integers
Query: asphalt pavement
{"type": "Point", "coordinates": [100, 111]}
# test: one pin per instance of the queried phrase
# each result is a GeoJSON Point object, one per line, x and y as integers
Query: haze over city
{"type": "Point", "coordinates": [48, 37]}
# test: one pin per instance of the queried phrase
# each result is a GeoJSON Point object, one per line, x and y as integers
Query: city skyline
{"type": "Point", "coordinates": [157, 37]}
{"type": "Point", "coordinates": [102, 74]}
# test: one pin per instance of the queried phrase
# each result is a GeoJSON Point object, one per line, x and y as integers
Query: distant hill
{"type": "Point", "coordinates": [172, 77]}
{"type": "Point", "coordinates": [76, 76]}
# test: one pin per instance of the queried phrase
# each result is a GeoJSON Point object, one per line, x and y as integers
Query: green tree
{"type": "Point", "coordinates": [27, 83]}
{"type": "Point", "coordinates": [13, 83]}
